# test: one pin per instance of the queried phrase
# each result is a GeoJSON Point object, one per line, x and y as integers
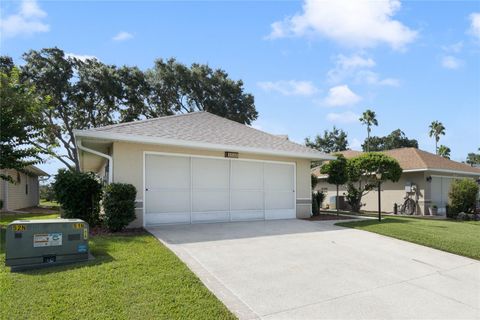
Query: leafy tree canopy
{"type": "Point", "coordinates": [18, 104]}
{"type": "Point", "coordinates": [336, 170]}
{"type": "Point", "coordinates": [473, 158]}
{"type": "Point", "coordinates": [444, 151]}
{"type": "Point", "coordinates": [396, 139]}
{"type": "Point", "coordinates": [83, 94]}
{"type": "Point", "coordinates": [331, 141]}
{"type": "Point", "coordinates": [362, 175]}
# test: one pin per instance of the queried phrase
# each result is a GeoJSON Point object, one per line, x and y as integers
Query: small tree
{"type": "Point", "coordinates": [119, 205]}
{"type": "Point", "coordinates": [444, 151]}
{"type": "Point", "coordinates": [362, 175]}
{"type": "Point", "coordinates": [331, 141]}
{"type": "Point", "coordinates": [79, 194]}
{"type": "Point", "coordinates": [337, 173]}
{"type": "Point", "coordinates": [463, 196]}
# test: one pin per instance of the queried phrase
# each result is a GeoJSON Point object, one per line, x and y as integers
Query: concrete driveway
{"type": "Point", "coordinates": [294, 269]}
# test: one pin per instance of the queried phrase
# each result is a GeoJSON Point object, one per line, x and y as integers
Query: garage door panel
{"type": "Point", "coordinates": [167, 172]}
{"type": "Point", "coordinates": [195, 190]}
{"type": "Point", "coordinates": [166, 218]}
{"type": "Point", "coordinates": [221, 216]}
{"type": "Point", "coordinates": [210, 173]}
{"type": "Point", "coordinates": [247, 175]}
{"type": "Point", "coordinates": [247, 200]}
{"type": "Point", "coordinates": [247, 215]}
{"type": "Point", "coordinates": [279, 176]}
{"type": "Point", "coordinates": [165, 200]}
{"type": "Point", "coordinates": [206, 200]}
{"type": "Point", "coordinates": [279, 200]}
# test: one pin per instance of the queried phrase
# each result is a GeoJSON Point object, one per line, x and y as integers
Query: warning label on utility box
{"type": "Point", "coordinates": [47, 240]}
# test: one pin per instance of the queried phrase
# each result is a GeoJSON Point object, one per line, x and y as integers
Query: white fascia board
{"type": "Point", "coordinates": [444, 171]}
{"type": "Point", "coordinates": [197, 145]}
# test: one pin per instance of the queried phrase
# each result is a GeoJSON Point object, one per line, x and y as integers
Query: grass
{"type": "Point", "coordinates": [456, 237]}
{"type": "Point", "coordinates": [132, 277]}
{"type": "Point", "coordinates": [49, 204]}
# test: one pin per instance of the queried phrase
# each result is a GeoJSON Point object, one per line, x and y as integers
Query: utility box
{"type": "Point", "coordinates": [38, 243]}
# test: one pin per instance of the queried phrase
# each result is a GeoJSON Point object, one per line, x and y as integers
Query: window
{"type": "Point", "coordinates": [26, 188]}
{"type": "Point", "coordinates": [324, 190]}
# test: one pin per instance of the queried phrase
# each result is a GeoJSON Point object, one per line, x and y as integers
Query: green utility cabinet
{"type": "Point", "coordinates": [37, 243]}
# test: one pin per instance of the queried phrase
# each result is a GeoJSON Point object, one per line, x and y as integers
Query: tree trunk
{"type": "Point", "coordinates": [336, 201]}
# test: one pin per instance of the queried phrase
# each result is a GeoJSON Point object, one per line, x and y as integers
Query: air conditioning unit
{"type": "Point", "coordinates": [39, 243]}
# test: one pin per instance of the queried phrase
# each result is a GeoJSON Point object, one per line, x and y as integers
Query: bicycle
{"type": "Point", "coordinates": [409, 206]}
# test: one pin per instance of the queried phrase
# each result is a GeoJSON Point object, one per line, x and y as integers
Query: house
{"type": "Point", "coordinates": [199, 167]}
{"type": "Point", "coordinates": [24, 192]}
{"type": "Point", "coordinates": [426, 178]}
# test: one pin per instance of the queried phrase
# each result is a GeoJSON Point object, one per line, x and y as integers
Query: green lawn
{"type": "Point", "coordinates": [461, 238]}
{"type": "Point", "coordinates": [132, 277]}
{"type": "Point", "coordinates": [50, 204]}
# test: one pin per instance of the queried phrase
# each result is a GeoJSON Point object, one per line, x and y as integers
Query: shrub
{"type": "Point", "coordinates": [79, 195]}
{"type": "Point", "coordinates": [119, 205]}
{"type": "Point", "coordinates": [317, 200]}
{"type": "Point", "coordinates": [463, 195]}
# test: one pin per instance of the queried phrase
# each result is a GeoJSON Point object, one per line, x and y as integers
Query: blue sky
{"type": "Point", "coordinates": [310, 64]}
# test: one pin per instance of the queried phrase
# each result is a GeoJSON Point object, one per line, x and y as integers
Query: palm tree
{"type": "Point", "coordinates": [444, 151]}
{"type": "Point", "coordinates": [436, 129]}
{"type": "Point", "coordinates": [369, 118]}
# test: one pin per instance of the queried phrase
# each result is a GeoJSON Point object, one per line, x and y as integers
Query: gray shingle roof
{"type": "Point", "coordinates": [204, 127]}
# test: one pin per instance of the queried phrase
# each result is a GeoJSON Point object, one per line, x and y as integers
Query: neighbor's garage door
{"type": "Point", "coordinates": [182, 189]}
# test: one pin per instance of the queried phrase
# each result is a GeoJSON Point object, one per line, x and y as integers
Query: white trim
{"type": "Point", "coordinates": [198, 145]}
{"type": "Point", "coordinates": [444, 171]}
{"type": "Point", "coordinates": [103, 155]}
{"type": "Point", "coordinates": [304, 198]}
{"type": "Point", "coordinates": [294, 164]}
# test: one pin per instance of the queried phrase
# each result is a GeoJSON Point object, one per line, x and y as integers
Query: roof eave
{"type": "Point", "coordinates": [444, 171]}
{"type": "Point", "coordinates": [197, 145]}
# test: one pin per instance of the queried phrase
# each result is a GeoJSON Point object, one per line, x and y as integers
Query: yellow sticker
{"type": "Point", "coordinates": [19, 227]}
{"type": "Point", "coordinates": [78, 225]}
{"type": "Point", "coordinates": [85, 233]}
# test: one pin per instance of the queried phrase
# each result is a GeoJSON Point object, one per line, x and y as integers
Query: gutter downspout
{"type": "Point", "coordinates": [103, 155]}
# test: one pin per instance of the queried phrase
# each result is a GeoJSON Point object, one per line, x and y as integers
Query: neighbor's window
{"type": "Point", "coordinates": [324, 190]}
{"type": "Point", "coordinates": [26, 188]}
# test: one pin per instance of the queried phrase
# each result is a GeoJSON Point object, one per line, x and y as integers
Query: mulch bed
{"type": "Point", "coordinates": [102, 231]}
{"type": "Point", "coordinates": [323, 217]}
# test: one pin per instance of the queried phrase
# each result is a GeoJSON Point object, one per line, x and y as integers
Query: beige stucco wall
{"type": "Point", "coordinates": [128, 168]}
{"type": "Point", "coordinates": [17, 197]}
{"type": "Point", "coordinates": [391, 193]}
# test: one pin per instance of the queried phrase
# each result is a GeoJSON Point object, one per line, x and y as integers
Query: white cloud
{"type": "Point", "coordinates": [355, 23]}
{"type": "Point", "coordinates": [475, 24]}
{"type": "Point", "coordinates": [122, 36]}
{"type": "Point", "coordinates": [341, 96]}
{"type": "Point", "coordinates": [81, 57]}
{"type": "Point", "coordinates": [290, 87]}
{"type": "Point", "coordinates": [373, 78]}
{"type": "Point", "coordinates": [343, 117]}
{"type": "Point", "coordinates": [356, 67]}
{"type": "Point", "coordinates": [27, 21]}
{"type": "Point", "coordinates": [450, 62]}
{"type": "Point", "coordinates": [454, 48]}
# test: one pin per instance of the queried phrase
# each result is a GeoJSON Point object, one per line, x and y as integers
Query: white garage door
{"type": "Point", "coordinates": [181, 189]}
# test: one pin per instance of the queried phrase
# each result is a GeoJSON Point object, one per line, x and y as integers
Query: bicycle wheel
{"type": "Point", "coordinates": [409, 206]}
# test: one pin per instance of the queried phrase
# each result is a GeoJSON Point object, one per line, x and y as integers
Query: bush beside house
{"type": "Point", "coordinates": [79, 194]}
{"type": "Point", "coordinates": [463, 197]}
{"type": "Point", "coordinates": [119, 205]}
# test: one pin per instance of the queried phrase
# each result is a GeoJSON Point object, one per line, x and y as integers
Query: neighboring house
{"type": "Point", "coordinates": [199, 167]}
{"type": "Point", "coordinates": [24, 192]}
{"type": "Point", "coordinates": [430, 176]}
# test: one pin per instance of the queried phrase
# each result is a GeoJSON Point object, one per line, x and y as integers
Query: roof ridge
{"type": "Point", "coordinates": [264, 132]}
{"type": "Point", "coordinates": [135, 122]}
